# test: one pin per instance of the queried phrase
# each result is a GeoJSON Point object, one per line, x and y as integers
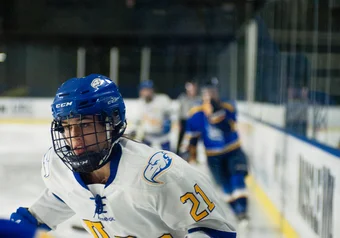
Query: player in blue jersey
{"type": "Point", "coordinates": [214, 121]}
{"type": "Point", "coordinates": [117, 186]}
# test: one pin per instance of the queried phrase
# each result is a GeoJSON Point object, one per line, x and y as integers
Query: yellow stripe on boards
{"type": "Point", "coordinates": [25, 121]}
{"type": "Point", "coordinates": [275, 215]}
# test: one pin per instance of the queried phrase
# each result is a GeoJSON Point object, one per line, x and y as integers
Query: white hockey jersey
{"type": "Point", "coordinates": [149, 194]}
{"type": "Point", "coordinates": [152, 115]}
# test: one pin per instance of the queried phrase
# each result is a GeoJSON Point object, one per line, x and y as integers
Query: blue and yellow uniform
{"type": "Point", "coordinates": [215, 124]}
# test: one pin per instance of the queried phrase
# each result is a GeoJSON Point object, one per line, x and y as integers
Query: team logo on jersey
{"type": "Point", "coordinates": [157, 165]}
{"type": "Point", "coordinates": [214, 133]}
{"type": "Point", "coordinates": [96, 82]}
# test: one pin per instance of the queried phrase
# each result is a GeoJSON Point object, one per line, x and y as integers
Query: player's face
{"type": "Point", "coordinates": [85, 134]}
{"type": "Point", "coordinates": [191, 89]}
{"type": "Point", "coordinates": [146, 94]}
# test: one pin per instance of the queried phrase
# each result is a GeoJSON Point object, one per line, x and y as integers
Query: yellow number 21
{"type": "Point", "coordinates": [196, 203]}
{"type": "Point", "coordinates": [96, 228]}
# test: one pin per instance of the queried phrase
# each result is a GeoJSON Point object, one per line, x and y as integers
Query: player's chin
{"type": "Point", "coordinates": [90, 149]}
{"type": "Point", "coordinates": [79, 151]}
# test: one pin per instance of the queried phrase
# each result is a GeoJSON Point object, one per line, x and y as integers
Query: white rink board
{"type": "Point", "coordinates": [277, 160]}
{"type": "Point", "coordinates": [328, 133]}
{"type": "Point", "coordinates": [25, 108]}
{"type": "Point", "coordinates": [29, 108]}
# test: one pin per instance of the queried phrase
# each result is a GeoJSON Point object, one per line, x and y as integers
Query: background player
{"type": "Point", "coordinates": [154, 117]}
{"type": "Point", "coordinates": [215, 122]}
{"type": "Point", "coordinates": [186, 101]}
{"type": "Point", "coordinates": [119, 187]}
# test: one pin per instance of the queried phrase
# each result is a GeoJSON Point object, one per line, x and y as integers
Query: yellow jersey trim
{"type": "Point", "coordinates": [216, 119]}
{"type": "Point", "coordinates": [195, 109]}
{"type": "Point", "coordinates": [226, 149]}
{"type": "Point", "coordinates": [228, 106]}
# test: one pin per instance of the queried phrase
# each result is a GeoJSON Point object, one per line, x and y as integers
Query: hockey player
{"type": "Point", "coordinates": [186, 101]}
{"type": "Point", "coordinates": [154, 117]}
{"type": "Point", "coordinates": [119, 187]}
{"type": "Point", "coordinates": [215, 122]}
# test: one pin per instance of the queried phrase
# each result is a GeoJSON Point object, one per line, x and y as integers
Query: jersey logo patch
{"type": "Point", "coordinates": [157, 165]}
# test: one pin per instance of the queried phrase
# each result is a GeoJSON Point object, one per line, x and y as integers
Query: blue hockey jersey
{"type": "Point", "coordinates": [217, 129]}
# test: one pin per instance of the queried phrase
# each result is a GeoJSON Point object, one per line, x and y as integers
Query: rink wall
{"type": "Point", "coordinates": [295, 178]}
{"type": "Point", "coordinates": [297, 175]}
{"type": "Point", "coordinates": [37, 109]}
{"type": "Point", "coordinates": [328, 132]}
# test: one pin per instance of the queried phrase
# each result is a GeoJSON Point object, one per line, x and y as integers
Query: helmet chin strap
{"type": "Point", "coordinates": [115, 141]}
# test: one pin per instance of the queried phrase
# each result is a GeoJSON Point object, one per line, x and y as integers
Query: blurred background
{"type": "Point", "coordinates": [277, 52]}
{"type": "Point", "coordinates": [278, 59]}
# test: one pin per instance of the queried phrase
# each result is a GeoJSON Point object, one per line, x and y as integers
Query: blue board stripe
{"type": "Point", "coordinates": [315, 143]}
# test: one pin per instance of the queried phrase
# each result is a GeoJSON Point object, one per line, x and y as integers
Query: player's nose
{"type": "Point", "coordinates": [76, 134]}
{"type": "Point", "coordinates": [75, 131]}
{"type": "Point", "coordinates": [77, 145]}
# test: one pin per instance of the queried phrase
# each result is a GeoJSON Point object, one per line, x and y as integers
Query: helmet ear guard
{"type": "Point", "coordinates": [117, 126]}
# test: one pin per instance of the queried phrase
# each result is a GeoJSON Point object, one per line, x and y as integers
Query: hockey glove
{"type": "Point", "coordinates": [23, 216]}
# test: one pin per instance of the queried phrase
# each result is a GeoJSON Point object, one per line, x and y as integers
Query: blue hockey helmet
{"type": "Point", "coordinates": [94, 95]}
{"type": "Point", "coordinates": [146, 84]}
{"type": "Point", "coordinates": [211, 83]}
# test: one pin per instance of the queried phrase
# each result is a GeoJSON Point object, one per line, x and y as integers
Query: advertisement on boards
{"type": "Point", "coordinates": [316, 191]}
{"type": "Point", "coordinates": [298, 177]}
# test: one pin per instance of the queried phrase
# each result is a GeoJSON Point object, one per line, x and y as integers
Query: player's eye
{"type": "Point", "coordinates": [84, 124]}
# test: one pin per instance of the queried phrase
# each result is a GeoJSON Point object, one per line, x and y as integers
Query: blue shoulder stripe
{"type": "Point", "coordinates": [214, 233]}
{"type": "Point", "coordinates": [58, 198]}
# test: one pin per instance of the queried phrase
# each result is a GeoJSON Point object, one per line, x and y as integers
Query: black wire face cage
{"type": "Point", "coordinates": [84, 143]}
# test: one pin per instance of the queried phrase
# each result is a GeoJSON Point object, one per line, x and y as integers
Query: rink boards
{"type": "Point", "coordinates": [298, 177]}
{"type": "Point", "coordinates": [293, 177]}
